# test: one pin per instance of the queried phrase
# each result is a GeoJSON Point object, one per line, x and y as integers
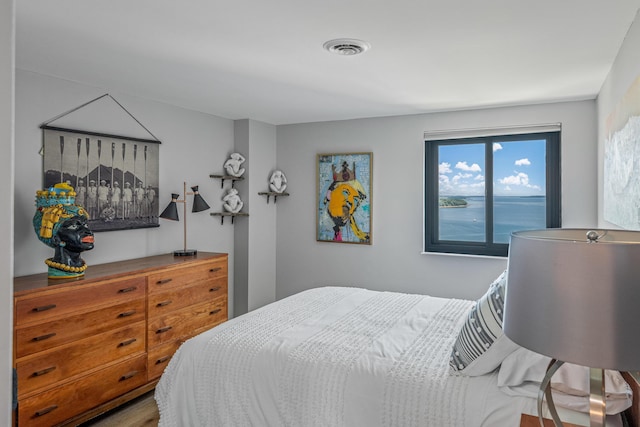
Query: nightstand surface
{"type": "Point", "coordinates": [633, 413]}
{"type": "Point", "coordinates": [532, 421]}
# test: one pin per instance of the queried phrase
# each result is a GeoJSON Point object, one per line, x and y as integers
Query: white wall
{"type": "Point", "coordinates": [394, 261]}
{"type": "Point", "coordinates": [242, 136]}
{"type": "Point", "coordinates": [624, 71]}
{"type": "Point", "coordinates": [194, 145]}
{"type": "Point", "coordinates": [262, 219]}
{"type": "Point", "coordinates": [255, 236]}
{"type": "Point", "coordinates": [7, 60]}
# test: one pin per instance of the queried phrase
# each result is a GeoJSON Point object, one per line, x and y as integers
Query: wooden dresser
{"type": "Point", "coordinates": [84, 346]}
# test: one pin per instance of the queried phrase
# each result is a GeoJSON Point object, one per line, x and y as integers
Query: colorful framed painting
{"type": "Point", "coordinates": [343, 205]}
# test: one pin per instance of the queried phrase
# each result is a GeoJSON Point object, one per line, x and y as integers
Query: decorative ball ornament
{"type": "Point", "coordinates": [59, 266]}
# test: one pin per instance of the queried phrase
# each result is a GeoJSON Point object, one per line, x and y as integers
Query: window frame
{"type": "Point", "coordinates": [433, 244]}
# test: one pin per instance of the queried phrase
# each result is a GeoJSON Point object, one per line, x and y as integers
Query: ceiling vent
{"type": "Point", "coordinates": [346, 46]}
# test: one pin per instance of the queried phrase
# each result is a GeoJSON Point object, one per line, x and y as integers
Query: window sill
{"type": "Point", "coordinates": [464, 255]}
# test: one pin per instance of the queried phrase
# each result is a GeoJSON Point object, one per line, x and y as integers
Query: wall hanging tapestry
{"type": "Point", "coordinates": [115, 177]}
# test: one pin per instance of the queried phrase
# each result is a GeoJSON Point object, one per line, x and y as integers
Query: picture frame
{"type": "Point", "coordinates": [115, 177]}
{"type": "Point", "coordinates": [344, 198]}
{"type": "Point", "coordinates": [621, 190]}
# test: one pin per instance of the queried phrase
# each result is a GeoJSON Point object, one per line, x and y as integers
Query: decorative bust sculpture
{"type": "Point", "coordinates": [232, 202]}
{"type": "Point", "coordinates": [278, 182]}
{"type": "Point", "coordinates": [62, 225]}
{"type": "Point", "coordinates": [233, 165]}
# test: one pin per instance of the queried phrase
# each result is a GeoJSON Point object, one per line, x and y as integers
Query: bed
{"type": "Point", "coordinates": [338, 356]}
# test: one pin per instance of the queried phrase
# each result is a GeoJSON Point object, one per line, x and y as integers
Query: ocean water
{"type": "Point", "coordinates": [510, 214]}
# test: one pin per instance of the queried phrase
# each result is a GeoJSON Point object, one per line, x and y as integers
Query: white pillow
{"type": "Point", "coordinates": [570, 384]}
{"type": "Point", "coordinates": [522, 366]}
{"type": "Point", "coordinates": [481, 345]}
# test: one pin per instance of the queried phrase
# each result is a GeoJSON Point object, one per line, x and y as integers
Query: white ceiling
{"type": "Point", "coordinates": [263, 59]}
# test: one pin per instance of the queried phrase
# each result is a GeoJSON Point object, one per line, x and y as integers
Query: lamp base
{"type": "Point", "coordinates": [545, 390]}
{"type": "Point", "coordinates": [185, 252]}
{"type": "Point", "coordinates": [597, 406]}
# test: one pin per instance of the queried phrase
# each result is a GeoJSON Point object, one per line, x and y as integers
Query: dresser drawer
{"type": "Point", "coordinates": [159, 357]}
{"type": "Point", "coordinates": [187, 275]}
{"type": "Point", "coordinates": [57, 303]}
{"type": "Point", "coordinates": [184, 323]}
{"type": "Point", "coordinates": [177, 298]}
{"type": "Point", "coordinates": [48, 367]}
{"type": "Point", "coordinates": [43, 336]}
{"type": "Point", "coordinates": [58, 404]}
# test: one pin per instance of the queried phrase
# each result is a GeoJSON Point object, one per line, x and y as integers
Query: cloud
{"type": "Point", "coordinates": [465, 167]}
{"type": "Point", "coordinates": [520, 179]}
{"type": "Point", "coordinates": [444, 167]}
{"type": "Point", "coordinates": [461, 179]}
{"type": "Point", "coordinates": [523, 162]}
{"type": "Point", "coordinates": [497, 146]}
{"type": "Point", "coordinates": [444, 184]}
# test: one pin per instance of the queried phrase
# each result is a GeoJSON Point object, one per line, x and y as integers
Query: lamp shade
{"type": "Point", "coordinates": [574, 298]}
{"type": "Point", "coordinates": [171, 211]}
{"type": "Point", "coordinates": [199, 204]}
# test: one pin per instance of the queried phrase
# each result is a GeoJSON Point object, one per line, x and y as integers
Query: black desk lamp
{"type": "Point", "coordinates": [171, 212]}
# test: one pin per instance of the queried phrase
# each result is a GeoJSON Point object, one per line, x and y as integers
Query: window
{"type": "Point", "coordinates": [478, 190]}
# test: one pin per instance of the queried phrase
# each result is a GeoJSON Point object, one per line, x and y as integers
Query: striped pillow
{"type": "Point", "coordinates": [481, 345]}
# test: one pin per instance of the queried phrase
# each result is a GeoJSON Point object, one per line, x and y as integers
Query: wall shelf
{"type": "Point", "coordinates": [231, 214]}
{"type": "Point", "coordinates": [231, 178]}
{"type": "Point", "coordinates": [275, 195]}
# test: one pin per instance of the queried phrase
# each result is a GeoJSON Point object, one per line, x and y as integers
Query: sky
{"type": "Point", "coordinates": [519, 169]}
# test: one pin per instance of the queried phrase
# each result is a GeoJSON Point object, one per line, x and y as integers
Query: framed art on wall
{"type": "Point", "coordinates": [343, 208]}
{"type": "Point", "coordinates": [115, 177]}
{"type": "Point", "coordinates": [621, 186]}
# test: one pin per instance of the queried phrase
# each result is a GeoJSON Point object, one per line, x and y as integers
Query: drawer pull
{"type": "Point", "coordinates": [128, 375]}
{"type": "Point", "coordinates": [162, 359]}
{"type": "Point", "coordinates": [43, 372]}
{"type": "Point", "coordinates": [43, 337]}
{"type": "Point", "coordinates": [44, 307]}
{"type": "Point", "coordinates": [127, 342]}
{"type": "Point", "coordinates": [129, 289]}
{"type": "Point", "coordinates": [164, 303]}
{"type": "Point", "coordinates": [127, 313]}
{"type": "Point", "coordinates": [163, 281]}
{"type": "Point", "coordinates": [45, 411]}
{"type": "Point", "coordinates": [217, 310]}
{"type": "Point", "coordinates": [165, 329]}
{"type": "Point", "coordinates": [217, 288]}
{"type": "Point", "coordinates": [213, 270]}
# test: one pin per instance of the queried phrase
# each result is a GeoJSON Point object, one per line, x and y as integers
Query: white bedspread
{"type": "Point", "coordinates": [333, 357]}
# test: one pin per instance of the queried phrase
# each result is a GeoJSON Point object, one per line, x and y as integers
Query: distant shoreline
{"type": "Point", "coordinates": [452, 202]}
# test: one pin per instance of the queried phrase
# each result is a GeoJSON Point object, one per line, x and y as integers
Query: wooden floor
{"type": "Point", "coordinates": [137, 413]}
